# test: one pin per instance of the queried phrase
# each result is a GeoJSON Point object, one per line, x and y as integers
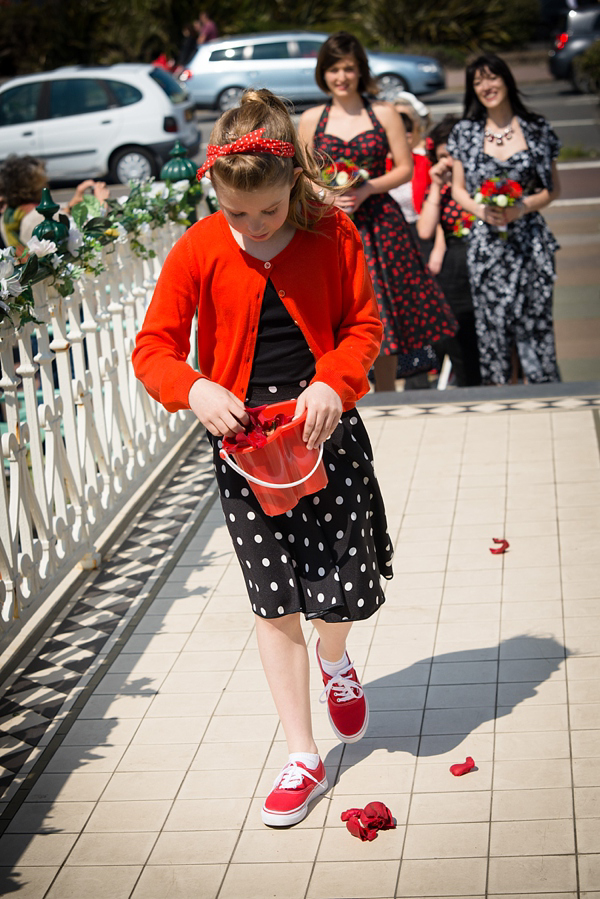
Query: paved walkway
{"type": "Point", "coordinates": [158, 739]}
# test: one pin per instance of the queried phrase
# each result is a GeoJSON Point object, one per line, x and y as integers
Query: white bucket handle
{"type": "Point", "coordinates": [254, 480]}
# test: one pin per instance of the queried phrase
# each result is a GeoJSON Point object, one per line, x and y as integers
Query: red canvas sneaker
{"type": "Point", "coordinates": [295, 786]}
{"type": "Point", "coordinates": [347, 704]}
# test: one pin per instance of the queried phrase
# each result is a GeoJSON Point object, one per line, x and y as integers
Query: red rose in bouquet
{"type": "Point", "coordinates": [501, 192]}
{"type": "Point", "coordinates": [345, 173]}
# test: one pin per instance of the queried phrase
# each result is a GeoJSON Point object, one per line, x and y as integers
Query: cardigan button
{"type": "Point", "coordinates": [267, 265]}
{"type": "Point", "coordinates": [281, 293]}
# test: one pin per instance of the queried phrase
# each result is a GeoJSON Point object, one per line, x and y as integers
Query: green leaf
{"type": "Point", "coordinates": [99, 222]}
{"type": "Point", "coordinates": [29, 270]}
{"type": "Point", "coordinates": [80, 214]}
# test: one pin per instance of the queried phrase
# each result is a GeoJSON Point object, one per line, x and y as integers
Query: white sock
{"type": "Point", "coordinates": [309, 759]}
{"type": "Point", "coordinates": [333, 668]}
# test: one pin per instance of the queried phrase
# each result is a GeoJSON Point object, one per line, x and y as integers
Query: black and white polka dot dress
{"type": "Point", "coordinates": [326, 555]}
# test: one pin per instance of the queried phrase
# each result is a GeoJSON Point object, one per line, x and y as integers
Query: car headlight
{"type": "Point", "coordinates": [428, 67]}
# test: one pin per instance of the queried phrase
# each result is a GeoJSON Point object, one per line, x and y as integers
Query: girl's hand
{"type": "Point", "coordinates": [353, 198]}
{"type": "Point", "coordinates": [513, 213]}
{"type": "Point", "coordinates": [441, 172]}
{"type": "Point", "coordinates": [101, 191]}
{"type": "Point", "coordinates": [493, 215]}
{"type": "Point", "coordinates": [435, 262]}
{"type": "Point", "coordinates": [324, 409]}
{"type": "Point", "coordinates": [221, 413]}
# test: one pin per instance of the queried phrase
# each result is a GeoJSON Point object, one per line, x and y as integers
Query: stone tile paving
{"type": "Point", "coordinates": [152, 785]}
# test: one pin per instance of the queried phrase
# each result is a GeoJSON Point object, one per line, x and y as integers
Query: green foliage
{"type": "Point", "coordinates": [128, 220]}
{"type": "Point", "coordinates": [467, 24]}
{"type": "Point", "coordinates": [577, 151]}
{"type": "Point", "coordinates": [38, 35]}
{"type": "Point", "coordinates": [587, 68]}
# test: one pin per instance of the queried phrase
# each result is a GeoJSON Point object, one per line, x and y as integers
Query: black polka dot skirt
{"type": "Point", "coordinates": [324, 557]}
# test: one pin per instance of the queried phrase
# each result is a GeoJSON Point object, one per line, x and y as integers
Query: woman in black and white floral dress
{"type": "Point", "coordinates": [512, 276]}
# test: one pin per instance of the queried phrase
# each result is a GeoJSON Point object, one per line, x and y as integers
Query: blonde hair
{"type": "Point", "coordinates": [247, 172]}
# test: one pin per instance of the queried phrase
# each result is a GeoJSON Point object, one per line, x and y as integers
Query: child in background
{"type": "Point", "coordinates": [417, 121]}
{"type": "Point", "coordinates": [409, 196]}
{"type": "Point", "coordinates": [286, 310]}
{"type": "Point", "coordinates": [443, 217]}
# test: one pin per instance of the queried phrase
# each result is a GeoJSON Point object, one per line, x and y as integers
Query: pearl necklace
{"type": "Point", "coordinates": [499, 136]}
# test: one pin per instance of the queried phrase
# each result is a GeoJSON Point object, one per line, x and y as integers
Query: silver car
{"type": "Point", "coordinates": [285, 62]}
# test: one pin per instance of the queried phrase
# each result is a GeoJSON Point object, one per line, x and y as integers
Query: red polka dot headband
{"type": "Point", "coordinates": [250, 144]}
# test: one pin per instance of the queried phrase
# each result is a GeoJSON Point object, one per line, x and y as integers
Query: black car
{"type": "Point", "coordinates": [579, 29]}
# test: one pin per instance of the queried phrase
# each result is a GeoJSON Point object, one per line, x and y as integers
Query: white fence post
{"type": "Point", "coordinates": [79, 432]}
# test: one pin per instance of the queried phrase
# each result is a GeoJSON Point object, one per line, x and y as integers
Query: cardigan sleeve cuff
{"type": "Point", "coordinates": [175, 393]}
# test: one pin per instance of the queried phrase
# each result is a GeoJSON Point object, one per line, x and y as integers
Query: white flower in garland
{"type": "Point", "coordinates": [7, 267]}
{"type": "Point", "coordinates": [41, 248]}
{"type": "Point", "coordinates": [158, 190]}
{"type": "Point", "coordinates": [183, 185]}
{"type": "Point", "coordinates": [145, 228]}
{"type": "Point", "coordinates": [75, 241]}
{"type": "Point", "coordinates": [11, 287]}
{"type": "Point", "coordinates": [122, 235]}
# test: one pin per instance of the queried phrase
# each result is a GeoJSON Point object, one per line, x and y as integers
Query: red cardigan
{"type": "Point", "coordinates": [322, 279]}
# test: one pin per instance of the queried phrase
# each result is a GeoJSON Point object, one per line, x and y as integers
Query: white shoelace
{"type": "Point", "coordinates": [344, 689]}
{"type": "Point", "coordinates": [291, 777]}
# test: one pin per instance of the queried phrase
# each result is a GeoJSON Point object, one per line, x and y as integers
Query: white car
{"type": "Point", "coordinates": [90, 122]}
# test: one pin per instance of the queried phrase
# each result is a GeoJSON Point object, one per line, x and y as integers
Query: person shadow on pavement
{"type": "Point", "coordinates": [429, 708]}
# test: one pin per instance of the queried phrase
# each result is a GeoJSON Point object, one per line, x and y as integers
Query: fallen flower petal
{"type": "Point", "coordinates": [464, 768]}
{"type": "Point", "coordinates": [379, 813]}
{"type": "Point", "coordinates": [365, 823]}
{"type": "Point", "coordinates": [501, 549]}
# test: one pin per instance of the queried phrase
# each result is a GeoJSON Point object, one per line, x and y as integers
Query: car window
{"type": "Point", "coordinates": [172, 88]}
{"type": "Point", "coordinates": [309, 49]}
{"type": "Point", "coordinates": [20, 104]}
{"type": "Point", "coordinates": [126, 94]}
{"type": "Point", "coordinates": [77, 96]}
{"type": "Point", "coordinates": [273, 50]}
{"type": "Point", "coordinates": [224, 54]}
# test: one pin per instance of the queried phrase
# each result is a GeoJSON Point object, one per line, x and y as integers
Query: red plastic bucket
{"type": "Point", "coordinates": [283, 470]}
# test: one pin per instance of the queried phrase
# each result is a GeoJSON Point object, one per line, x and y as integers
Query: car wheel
{"type": "Point", "coordinates": [390, 85]}
{"type": "Point", "coordinates": [132, 164]}
{"type": "Point", "coordinates": [229, 98]}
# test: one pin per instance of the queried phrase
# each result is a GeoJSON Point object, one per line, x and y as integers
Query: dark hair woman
{"type": "Point", "coordinates": [356, 129]}
{"type": "Point", "coordinates": [511, 251]}
{"type": "Point", "coordinates": [441, 217]}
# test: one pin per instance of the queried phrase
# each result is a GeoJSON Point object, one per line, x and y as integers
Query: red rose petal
{"type": "Point", "coordinates": [501, 549]}
{"type": "Point", "coordinates": [365, 823]}
{"type": "Point", "coordinates": [459, 770]}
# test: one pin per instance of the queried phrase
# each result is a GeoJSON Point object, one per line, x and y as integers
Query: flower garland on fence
{"type": "Point", "coordinates": [92, 226]}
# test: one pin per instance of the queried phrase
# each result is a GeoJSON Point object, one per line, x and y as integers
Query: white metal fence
{"type": "Point", "coordinates": [79, 432]}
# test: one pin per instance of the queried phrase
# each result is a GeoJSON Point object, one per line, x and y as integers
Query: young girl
{"type": "Point", "coordinates": [285, 310]}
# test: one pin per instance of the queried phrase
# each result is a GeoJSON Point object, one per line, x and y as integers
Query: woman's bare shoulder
{"type": "Point", "coordinates": [311, 116]}
{"type": "Point", "coordinates": [384, 111]}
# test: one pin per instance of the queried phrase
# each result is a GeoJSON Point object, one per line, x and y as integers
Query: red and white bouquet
{"type": "Point", "coordinates": [464, 224]}
{"type": "Point", "coordinates": [501, 192]}
{"type": "Point", "coordinates": [345, 173]}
